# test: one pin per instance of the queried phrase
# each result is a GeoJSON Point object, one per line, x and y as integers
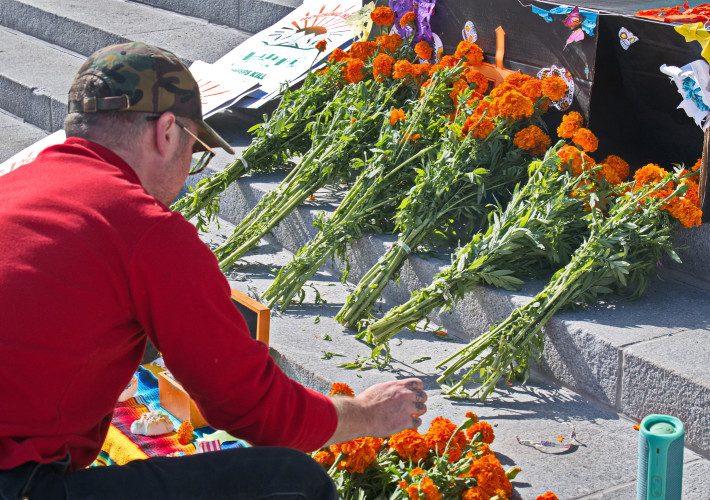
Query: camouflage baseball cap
{"type": "Point", "coordinates": [145, 78]}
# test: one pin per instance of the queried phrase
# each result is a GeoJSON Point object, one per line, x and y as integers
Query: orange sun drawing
{"type": "Point", "coordinates": [313, 27]}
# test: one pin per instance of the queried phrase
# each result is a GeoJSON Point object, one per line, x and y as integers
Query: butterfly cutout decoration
{"type": "Point", "coordinates": [626, 38]}
{"type": "Point", "coordinates": [573, 22]}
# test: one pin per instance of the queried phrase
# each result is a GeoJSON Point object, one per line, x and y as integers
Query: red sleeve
{"type": "Point", "coordinates": [182, 299]}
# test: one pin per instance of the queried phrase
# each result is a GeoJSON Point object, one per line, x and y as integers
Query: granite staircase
{"type": "Point", "coordinates": [603, 369]}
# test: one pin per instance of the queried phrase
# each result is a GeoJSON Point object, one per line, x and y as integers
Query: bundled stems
{"type": "Point", "coordinates": [379, 187]}
{"type": "Point", "coordinates": [620, 253]}
{"type": "Point", "coordinates": [278, 138]}
{"type": "Point", "coordinates": [356, 113]}
{"type": "Point", "coordinates": [521, 240]}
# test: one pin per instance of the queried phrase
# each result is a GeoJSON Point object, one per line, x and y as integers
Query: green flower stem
{"type": "Point", "coordinates": [620, 252]}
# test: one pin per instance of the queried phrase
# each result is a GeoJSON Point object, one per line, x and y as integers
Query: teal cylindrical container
{"type": "Point", "coordinates": [660, 462]}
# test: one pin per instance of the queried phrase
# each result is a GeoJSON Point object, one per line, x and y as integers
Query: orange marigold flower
{"type": "Point", "coordinates": [619, 165]}
{"type": "Point", "coordinates": [325, 458]}
{"type": "Point", "coordinates": [420, 69]}
{"type": "Point", "coordinates": [389, 43]}
{"type": "Point", "coordinates": [321, 45]}
{"type": "Point", "coordinates": [407, 18]}
{"type": "Point", "coordinates": [469, 50]}
{"type": "Point", "coordinates": [382, 66]}
{"type": "Point", "coordinates": [585, 139]}
{"type": "Point", "coordinates": [548, 495]}
{"type": "Point", "coordinates": [417, 471]}
{"type": "Point", "coordinates": [382, 16]}
{"type": "Point", "coordinates": [578, 160]}
{"type": "Point", "coordinates": [693, 192]}
{"type": "Point", "coordinates": [426, 489]}
{"type": "Point", "coordinates": [477, 78]}
{"type": "Point", "coordinates": [184, 432]}
{"type": "Point", "coordinates": [423, 50]}
{"type": "Point", "coordinates": [409, 445]}
{"type": "Point", "coordinates": [352, 72]}
{"type": "Point", "coordinates": [402, 69]}
{"type": "Point", "coordinates": [458, 87]}
{"type": "Point", "coordinates": [610, 174]}
{"type": "Point", "coordinates": [490, 476]}
{"type": "Point", "coordinates": [480, 129]}
{"type": "Point", "coordinates": [570, 123]}
{"type": "Point", "coordinates": [475, 493]}
{"type": "Point", "coordinates": [516, 79]}
{"type": "Point", "coordinates": [472, 416]}
{"type": "Point", "coordinates": [532, 89]}
{"type": "Point", "coordinates": [687, 212]}
{"type": "Point", "coordinates": [411, 137]}
{"type": "Point", "coordinates": [533, 139]}
{"type": "Point", "coordinates": [360, 453]}
{"type": "Point", "coordinates": [337, 55]}
{"type": "Point", "coordinates": [554, 87]}
{"type": "Point", "coordinates": [513, 105]}
{"type": "Point", "coordinates": [396, 115]}
{"type": "Point", "coordinates": [486, 430]}
{"type": "Point", "coordinates": [341, 389]}
{"type": "Point", "coordinates": [448, 62]}
{"type": "Point", "coordinates": [363, 50]}
{"type": "Point", "coordinates": [649, 174]}
{"type": "Point", "coordinates": [438, 435]}
{"type": "Point", "coordinates": [696, 167]}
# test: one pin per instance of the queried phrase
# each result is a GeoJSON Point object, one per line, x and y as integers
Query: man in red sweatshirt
{"type": "Point", "coordinates": [94, 263]}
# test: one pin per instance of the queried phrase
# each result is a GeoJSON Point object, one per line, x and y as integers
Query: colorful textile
{"type": "Point", "coordinates": [122, 446]}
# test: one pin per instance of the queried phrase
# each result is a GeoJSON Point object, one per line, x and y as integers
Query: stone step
{"type": "Point", "coordinates": [310, 345]}
{"type": "Point", "coordinates": [248, 15]}
{"type": "Point", "coordinates": [44, 43]}
{"type": "Point", "coordinates": [625, 355]}
{"type": "Point", "coordinates": [17, 135]}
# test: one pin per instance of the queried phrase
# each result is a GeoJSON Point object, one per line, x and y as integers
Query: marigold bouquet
{"type": "Point", "coordinates": [536, 231]}
{"type": "Point", "coordinates": [626, 240]}
{"type": "Point", "coordinates": [403, 144]}
{"type": "Point", "coordinates": [445, 462]}
{"type": "Point", "coordinates": [498, 139]}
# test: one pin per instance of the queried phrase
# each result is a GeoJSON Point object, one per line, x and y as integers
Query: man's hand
{"type": "Point", "coordinates": [380, 411]}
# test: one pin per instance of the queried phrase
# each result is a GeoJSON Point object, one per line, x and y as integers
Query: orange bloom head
{"type": "Point", "coordinates": [448, 62]}
{"type": "Point", "coordinates": [477, 78]}
{"type": "Point", "coordinates": [337, 55]}
{"type": "Point", "coordinates": [420, 69]}
{"type": "Point", "coordinates": [396, 115]}
{"type": "Point", "coordinates": [363, 50]}
{"type": "Point", "coordinates": [407, 18]}
{"type": "Point", "coordinates": [490, 476]}
{"type": "Point", "coordinates": [389, 43]}
{"type": "Point", "coordinates": [532, 89]}
{"type": "Point", "coordinates": [688, 213]}
{"type": "Point", "coordinates": [423, 50]}
{"type": "Point", "coordinates": [610, 174]}
{"type": "Point", "coordinates": [475, 493]}
{"type": "Point", "coordinates": [470, 51]}
{"type": "Point", "coordinates": [578, 160]}
{"type": "Point", "coordinates": [438, 435]}
{"type": "Point", "coordinates": [585, 139]}
{"type": "Point", "coordinates": [321, 45]}
{"type": "Point", "coordinates": [533, 139]}
{"type": "Point", "coordinates": [619, 165]}
{"type": "Point", "coordinates": [554, 87]}
{"type": "Point", "coordinates": [696, 167]}
{"type": "Point", "coordinates": [403, 69]}
{"type": "Point", "coordinates": [325, 458]}
{"type": "Point", "coordinates": [517, 79]}
{"type": "Point", "coordinates": [486, 430]}
{"type": "Point", "coordinates": [409, 445]}
{"type": "Point", "coordinates": [649, 174]}
{"type": "Point", "coordinates": [570, 123]}
{"type": "Point", "coordinates": [359, 453]}
{"type": "Point", "coordinates": [341, 389]}
{"type": "Point", "coordinates": [352, 72]}
{"type": "Point", "coordinates": [382, 66]}
{"type": "Point", "coordinates": [425, 489]}
{"type": "Point", "coordinates": [458, 87]}
{"type": "Point", "coordinates": [548, 495]}
{"type": "Point", "coordinates": [382, 16]}
{"type": "Point", "coordinates": [513, 105]}
{"type": "Point", "coordinates": [184, 432]}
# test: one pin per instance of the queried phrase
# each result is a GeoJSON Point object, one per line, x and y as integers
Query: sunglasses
{"type": "Point", "coordinates": [207, 152]}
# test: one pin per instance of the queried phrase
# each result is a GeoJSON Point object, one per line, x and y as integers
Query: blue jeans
{"type": "Point", "coordinates": [238, 473]}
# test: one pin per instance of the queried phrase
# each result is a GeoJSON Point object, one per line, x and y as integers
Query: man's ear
{"type": "Point", "coordinates": [167, 134]}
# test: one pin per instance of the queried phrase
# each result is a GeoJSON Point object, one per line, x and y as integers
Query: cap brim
{"type": "Point", "coordinates": [212, 138]}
